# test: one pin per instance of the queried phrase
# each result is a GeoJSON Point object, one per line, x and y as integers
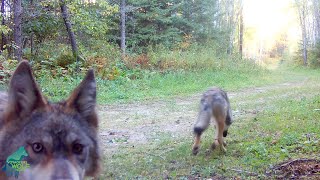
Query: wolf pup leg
{"type": "Point", "coordinates": [219, 140]}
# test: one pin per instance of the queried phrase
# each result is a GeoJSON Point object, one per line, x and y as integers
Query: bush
{"type": "Point", "coordinates": [6, 69]}
{"type": "Point", "coordinates": [65, 59]}
{"type": "Point", "coordinates": [314, 56]}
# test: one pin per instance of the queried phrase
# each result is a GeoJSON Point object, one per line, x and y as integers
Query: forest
{"type": "Point", "coordinates": [137, 35]}
{"type": "Point", "coordinates": [152, 60]}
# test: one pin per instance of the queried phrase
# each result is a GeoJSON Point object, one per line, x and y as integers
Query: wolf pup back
{"type": "Point", "coordinates": [60, 139]}
{"type": "Point", "coordinates": [215, 105]}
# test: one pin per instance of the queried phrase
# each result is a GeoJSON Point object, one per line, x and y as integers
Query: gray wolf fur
{"type": "Point", "coordinates": [214, 105]}
{"type": "Point", "coordinates": [60, 138]}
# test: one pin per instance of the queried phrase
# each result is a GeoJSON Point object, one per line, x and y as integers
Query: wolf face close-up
{"type": "Point", "coordinates": [60, 139]}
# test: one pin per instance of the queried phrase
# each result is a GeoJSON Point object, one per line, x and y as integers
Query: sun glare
{"type": "Point", "coordinates": [267, 22]}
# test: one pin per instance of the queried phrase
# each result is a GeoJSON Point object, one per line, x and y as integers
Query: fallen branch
{"type": "Point", "coordinates": [296, 168]}
{"type": "Point", "coordinates": [294, 161]}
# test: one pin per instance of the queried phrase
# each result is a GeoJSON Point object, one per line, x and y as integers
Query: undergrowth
{"type": "Point", "coordinates": [160, 73]}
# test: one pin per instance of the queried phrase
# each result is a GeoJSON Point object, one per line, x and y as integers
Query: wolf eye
{"type": "Point", "coordinates": [37, 147]}
{"type": "Point", "coordinates": [77, 148]}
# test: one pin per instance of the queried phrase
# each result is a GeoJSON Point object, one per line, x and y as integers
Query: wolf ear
{"type": "Point", "coordinates": [83, 98]}
{"type": "Point", "coordinates": [24, 94]}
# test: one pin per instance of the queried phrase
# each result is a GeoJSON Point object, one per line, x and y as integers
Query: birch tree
{"type": "Point", "coordinates": [3, 38]}
{"type": "Point", "coordinates": [17, 32]}
{"type": "Point", "coordinates": [302, 11]}
{"type": "Point", "coordinates": [123, 26]}
{"type": "Point", "coordinates": [241, 30]}
{"type": "Point", "coordinates": [316, 15]}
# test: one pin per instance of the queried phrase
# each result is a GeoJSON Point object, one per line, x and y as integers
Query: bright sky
{"type": "Point", "coordinates": [265, 20]}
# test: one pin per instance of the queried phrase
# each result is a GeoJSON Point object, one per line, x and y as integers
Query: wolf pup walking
{"type": "Point", "coordinates": [214, 105]}
{"type": "Point", "coordinates": [51, 140]}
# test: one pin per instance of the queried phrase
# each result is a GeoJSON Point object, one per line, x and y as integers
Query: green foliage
{"type": "Point", "coordinates": [161, 35]}
{"type": "Point", "coordinates": [92, 19]}
{"type": "Point", "coordinates": [202, 15]}
{"type": "Point", "coordinates": [161, 22]}
{"type": "Point", "coordinates": [7, 66]}
{"type": "Point", "coordinates": [41, 20]}
{"type": "Point", "coordinates": [99, 48]}
{"type": "Point", "coordinates": [314, 56]}
{"type": "Point", "coordinates": [4, 29]}
{"type": "Point", "coordinates": [152, 23]}
{"type": "Point", "coordinates": [48, 53]}
{"type": "Point", "coordinates": [65, 59]}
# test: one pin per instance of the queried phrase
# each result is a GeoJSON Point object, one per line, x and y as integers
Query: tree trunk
{"type": "Point", "coordinates": [31, 44]}
{"type": "Point", "coordinates": [3, 37]}
{"type": "Point", "coordinates": [123, 27]}
{"type": "Point", "coordinates": [65, 16]}
{"type": "Point", "coordinates": [17, 31]}
{"type": "Point", "coordinates": [241, 32]}
{"type": "Point", "coordinates": [304, 43]}
{"type": "Point", "coordinates": [231, 25]}
{"type": "Point", "coordinates": [302, 18]}
{"type": "Point", "coordinates": [316, 7]}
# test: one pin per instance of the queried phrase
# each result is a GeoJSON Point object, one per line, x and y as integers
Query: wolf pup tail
{"type": "Point", "coordinates": [198, 130]}
{"type": "Point", "coordinates": [202, 122]}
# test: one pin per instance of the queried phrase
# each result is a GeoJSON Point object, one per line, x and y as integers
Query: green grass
{"type": "Point", "coordinates": [156, 85]}
{"type": "Point", "coordinates": [286, 127]}
{"type": "Point", "coordinates": [159, 86]}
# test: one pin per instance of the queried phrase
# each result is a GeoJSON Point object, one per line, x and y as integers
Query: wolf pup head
{"type": "Point", "coordinates": [60, 138]}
